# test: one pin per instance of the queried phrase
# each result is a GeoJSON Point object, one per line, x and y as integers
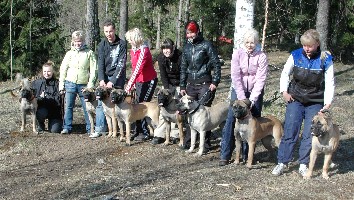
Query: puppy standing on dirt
{"type": "Point", "coordinates": [325, 139]}
{"type": "Point", "coordinates": [168, 105]}
{"type": "Point", "coordinates": [202, 119]}
{"type": "Point", "coordinates": [91, 105]}
{"type": "Point", "coordinates": [253, 129]}
{"type": "Point", "coordinates": [28, 104]}
{"type": "Point", "coordinates": [129, 112]}
{"type": "Point", "coordinates": [103, 94]}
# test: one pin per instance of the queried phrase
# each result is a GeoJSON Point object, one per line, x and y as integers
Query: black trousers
{"type": "Point", "coordinates": [144, 93]}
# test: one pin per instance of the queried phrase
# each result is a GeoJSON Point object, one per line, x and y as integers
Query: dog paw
{"type": "Point", "coordinates": [198, 154]}
{"type": "Point", "coordinates": [189, 151]}
{"type": "Point", "coordinates": [306, 177]}
{"type": "Point", "coordinates": [325, 176]}
{"type": "Point", "coordinates": [166, 143]}
{"type": "Point", "coordinates": [254, 167]}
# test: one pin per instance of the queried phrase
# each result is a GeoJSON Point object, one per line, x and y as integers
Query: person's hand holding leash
{"type": "Point", "coordinates": [109, 84]}
{"type": "Point", "coordinates": [183, 92]}
{"type": "Point", "coordinates": [212, 87]}
{"type": "Point", "coordinates": [102, 83]}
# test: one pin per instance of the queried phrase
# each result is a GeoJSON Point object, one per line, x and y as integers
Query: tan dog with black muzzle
{"type": "Point", "coordinates": [129, 112]}
{"type": "Point", "coordinates": [169, 114]}
{"type": "Point", "coordinates": [28, 104]}
{"type": "Point", "coordinates": [251, 129]}
{"type": "Point", "coordinates": [201, 119]}
{"type": "Point", "coordinates": [113, 122]}
{"type": "Point", "coordinates": [325, 139]}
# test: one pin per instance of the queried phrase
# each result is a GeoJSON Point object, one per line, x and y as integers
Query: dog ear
{"type": "Point", "coordinates": [247, 102]}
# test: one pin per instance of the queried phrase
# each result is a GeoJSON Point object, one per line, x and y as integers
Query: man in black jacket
{"type": "Point", "coordinates": [49, 100]}
{"type": "Point", "coordinates": [199, 58]}
{"type": "Point", "coordinates": [112, 54]}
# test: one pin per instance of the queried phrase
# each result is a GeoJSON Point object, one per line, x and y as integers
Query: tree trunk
{"type": "Point", "coordinates": [90, 23]}
{"type": "Point", "coordinates": [265, 23]}
{"type": "Point", "coordinates": [178, 24]}
{"type": "Point", "coordinates": [322, 22]}
{"type": "Point", "coordinates": [11, 58]}
{"type": "Point", "coordinates": [243, 19]}
{"type": "Point", "coordinates": [123, 22]}
{"type": "Point", "coordinates": [158, 24]}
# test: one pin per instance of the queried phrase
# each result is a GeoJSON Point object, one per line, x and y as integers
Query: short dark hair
{"type": "Point", "coordinates": [167, 44]}
{"type": "Point", "coordinates": [109, 22]}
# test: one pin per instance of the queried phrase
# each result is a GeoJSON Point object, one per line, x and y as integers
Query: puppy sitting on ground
{"type": "Point", "coordinates": [28, 104]}
{"type": "Point", "coordinates": [168, 105]}
{"type": "Point", "coordinates": [129, 112]}
{"type": "Point", "coordinates": [201, 119]}
{"type": "Point", "coordinates": [254, 129]}
{"type": "Point", "coordinates": [103, 94]}
{"type": "Point", "coordinates": [91, 105]}
{"type": "Point", "coordinates": [325, 139]}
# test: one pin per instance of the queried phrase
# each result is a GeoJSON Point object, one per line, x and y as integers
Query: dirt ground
{"type": "Point", "coordinates": [54, 166]}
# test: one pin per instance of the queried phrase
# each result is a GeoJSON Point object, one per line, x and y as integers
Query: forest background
{"type": "Point", "coordinates": [34, 31]}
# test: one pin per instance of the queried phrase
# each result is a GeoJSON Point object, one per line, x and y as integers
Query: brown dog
{"type": "Point", "coordinates": [325, 139]}
{"type": "Point", "coordinates": [129, 112]}
{"type": "Point", "coordinates": [103, 94]}
{"type": "Point", "coordinates": [254, 129]}
{"type": "Point", "coordinates": [91, 105]}
{"type": "Point", "coordinates": [28, 104]}
{"type": "Point", "coordinates": [168, 105]}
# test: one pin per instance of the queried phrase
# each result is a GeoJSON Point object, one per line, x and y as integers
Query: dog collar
{"type": "Point", "coordinates": [31, 98]}
{"type": "Point", "coordinates": [194, 110]}
{"type": "Point", "coordinates": [244, 117]}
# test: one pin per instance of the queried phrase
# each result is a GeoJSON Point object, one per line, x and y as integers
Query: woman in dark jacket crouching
{"type": "Point", "coordinates": [49, 100]}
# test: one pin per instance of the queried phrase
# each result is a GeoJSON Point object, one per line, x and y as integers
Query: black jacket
{"type": "Point", "coordinates": [170, 69]}
{"type": "Point", "coordinates": [52, 98]}
{"type": "Point", "coordinates": [111, 59]}
{"type": "Point", "coordinates": [199, 58]}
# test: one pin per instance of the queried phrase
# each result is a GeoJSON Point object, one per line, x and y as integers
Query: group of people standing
{"type": "Point", "coordinates": [196, 71]}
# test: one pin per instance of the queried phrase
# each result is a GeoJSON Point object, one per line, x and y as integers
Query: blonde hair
{"type": "Point", "coordinates": [50, 64]}
{"type": "Point", "coordinates": [77, 35]}
{"type": "Point", "coordinates": [310, 37]}
{"type": "Point", "coordinates": [136, 36]}
{"type": "Point", "coordinates": [251, 34]}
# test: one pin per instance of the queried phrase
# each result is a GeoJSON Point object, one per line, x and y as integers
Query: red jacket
{"type": "Point", "coordinates": [142, 67]}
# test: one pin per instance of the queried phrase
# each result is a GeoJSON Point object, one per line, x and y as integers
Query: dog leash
{"type": "Point", "coordinates": [204, 95]}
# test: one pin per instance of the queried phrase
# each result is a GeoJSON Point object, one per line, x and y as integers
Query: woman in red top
{"type": "Point", "coordinates": [143, 77]}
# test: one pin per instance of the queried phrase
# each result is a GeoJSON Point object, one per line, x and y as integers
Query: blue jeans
{"type": "Point", "coordinates": [297, 112]}
{"type": "Point", "coordinates": [71, 91]}
{"type": "Point", "coordinates": [101, 122]}
{"type": "Point", "coordinates": [228, 136]}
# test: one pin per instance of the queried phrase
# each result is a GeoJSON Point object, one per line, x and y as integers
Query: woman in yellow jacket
{"type": "Point", "coordinates": [78, 70]}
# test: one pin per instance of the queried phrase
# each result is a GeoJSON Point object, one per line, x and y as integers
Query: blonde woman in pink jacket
{"type": "Point", "coordinates": [248, 73]}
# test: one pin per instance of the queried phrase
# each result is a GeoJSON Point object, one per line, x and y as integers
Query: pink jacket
{"type": "Point", "coordinates": [248, 73]}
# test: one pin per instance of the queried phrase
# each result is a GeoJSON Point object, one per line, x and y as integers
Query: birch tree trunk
{"type": "Point", "coordinates": [11, 49]}
{"type": "Point", "coordinates": [178, 24]}
{"type": "Point", "coordinates": [243, 19]}
{"type": "Point", "coordinates": [322, 22]}
{"type": "Point", "coordinates": [123, 21]}
{"type": "Point", "coordinates": [265, 23]}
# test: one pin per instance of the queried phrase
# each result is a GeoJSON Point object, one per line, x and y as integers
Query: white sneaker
{"type": "Point", "coordinates": [303, 169]}
{"type": "Point", "coordinates": [278, 170]}
{"type": "Point", "coordinates": [95, 135]}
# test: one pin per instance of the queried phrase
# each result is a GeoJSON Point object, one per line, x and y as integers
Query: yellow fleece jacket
{"type": "Point", "coordinates": [78, 66]}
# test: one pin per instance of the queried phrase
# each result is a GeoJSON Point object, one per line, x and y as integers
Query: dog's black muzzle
{"type": "Point", "coordinates": [316, 129]}
{"type": "Point", "coordinates": [89, 96]}
{"type": "Point", "coordinates": [239, 112]}
{"type": "Point", "coordinates": [117, 98]}
{"type": "Point", "coordinates": [162, 100]}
